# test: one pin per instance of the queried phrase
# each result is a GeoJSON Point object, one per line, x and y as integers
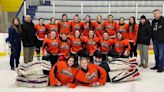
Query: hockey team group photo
{"type": "Point", "coordinates": [84, 50]}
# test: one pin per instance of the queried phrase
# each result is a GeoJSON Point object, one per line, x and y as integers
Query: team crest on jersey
{"type": "Point", "coordinates": [65, 25]}
{"type": "Point", "coordinates": [104, 45]}
{"type": "Point", "coordinates": [66, 72]}
{"type": "Point", "coordinates": [64, 47]}
{"type": "Point", "coordinates": [118, 44]}
{"type": "Point", "coordinates": [43, 29]}
{"type": "Point", "coordinates": [76, 43]}
{"type": "Point", "coordinates": [53, 29]}
{"type": "Point", "coordinates": [54, 44]}
{"type": "Point", "coordinates": [122, 30]}
{"type": "Point", "coordinates": [91, 76]}
{"type": "Point", "coordinates": [91, 42]}
{"type": "Point", "coordinates": [110, 26]}
{"type": "Point", "coordinates": [86, 26]}
{"type": "Point", "coordinates": [77, 26]}
{"type": "Point", "coordinates": [99, 27]}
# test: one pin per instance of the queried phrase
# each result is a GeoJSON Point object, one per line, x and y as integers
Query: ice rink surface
{"type": "Point", "coordinates": [151, 81]}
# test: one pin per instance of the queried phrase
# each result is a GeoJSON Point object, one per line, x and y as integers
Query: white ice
{"type": "Point", "coordinates": [151, 81]}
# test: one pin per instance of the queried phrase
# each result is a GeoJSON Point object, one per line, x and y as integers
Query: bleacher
{"type": "Point", "coordinates": [93, 8]}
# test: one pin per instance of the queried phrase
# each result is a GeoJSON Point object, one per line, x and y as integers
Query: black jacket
{"type": "Point", "coordinates": [144, 34]}
{"type": "Point", "coordinates": [158, 30]}
{"type": "Point", "coordinates": [14, 37]}
{"type": "Point", "coordinates": [104, 65]}
{"type": "Point", "coordinates": [15, 40]}
{"type": "Point", "coordinates": [28, 34]}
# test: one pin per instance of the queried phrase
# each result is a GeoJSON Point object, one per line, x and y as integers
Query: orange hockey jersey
{"type": "Point", "coordinates": [98, 28]}
{"type": "Point", "coordinates": [52, 27]}
{"type": "Point", "coordinates": [64, 27]}
{"type": "Point", "coordinates": [91, 44]}
{"type": "Point", "coordinates": [51, 46]}
{"type": "Point", "coordinates": [93, 74]}
{"type": "Point", "coordinates": [110, 27]}
{"type": "Point", "coordinates": [76, 45]}
{"type": "Point", "coordinates": [86, 28]}
{"type": "Point", "coordinates": [119, 46]}
{"type": "Point", "coordinates": [133, 33]}
{"type": "Point", "coordinates": [40, 31]}
{"type": "Point", "coordinates": [64, 48]}
{"type": "Point", "coordinates": [124, 29]}
{"type": "Point", "coordinates": [61, 73]}
{"type": "Point", "coordinates": [76, 26]}
{"type": "Point", "coordinates": [105, 45]}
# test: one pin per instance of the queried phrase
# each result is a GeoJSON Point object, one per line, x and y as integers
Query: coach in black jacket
{"type": "Point", "coordinates": [28, 38]}
{"type": "Point", "coordinates": [158, 40]}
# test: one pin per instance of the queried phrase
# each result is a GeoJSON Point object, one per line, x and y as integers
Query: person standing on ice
{"type": "Point", "coordinates": [41, 35]}
{"type": "Point", "coordinates": [143, 40]}
{"type": "Point", "coordinates": [28, 39]}
{"type": "Point", "coordinates": [158, 40]}
{"type": "Point", "coordinates": [14, 40]}
{"type": "Point", "coordinates": [133, 33]}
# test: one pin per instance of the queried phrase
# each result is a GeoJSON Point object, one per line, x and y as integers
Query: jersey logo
{"type": "Point", "coordinates": [42, 29]}
{"type": "Point", "coordinates": [110, 26]}
{"type": "Point", "coordinates": [104, 45]}
{"type": "Point", "coordinates": [92, 43]}
{"type": "Point", "coordinates": [64, 47]}
{"type": "Point", "coordinates": [65, 25]}
{"type": "Point", "coordinates": [99, 27]}
{"type": "Point", "coordinates": [54, 44]}
{"type": "Point", "coordinates": [91, 76]}
{"type": "Point", "coordinates": [86, 26]}
{"type": "Point", "coordinates": [53, 29]}
{"type": "Point", "coordinates": [118, 44]}
{"type": "Point", "coordinates": [66, 72]}
{"type": "Point", "coordinates": [76, 43]}
{"type": "Point", "coordinates": [122, 29]}
{"type": "Point", "coordinates": [76, 26]}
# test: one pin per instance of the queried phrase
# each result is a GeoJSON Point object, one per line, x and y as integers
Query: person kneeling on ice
{"type": "Point", "coordinates": [63, 73]}
{"type": "Point", "coordinates": [50, 48]}
{"type": "Point", "coordinates": [90, 74]}
{"type": "Point", "coordinates": [121, 47]}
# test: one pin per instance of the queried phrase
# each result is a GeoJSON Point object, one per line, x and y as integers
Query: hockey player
{"type": "Point", "coordinates": [76, 24]}
{"type": "Point", "coordinates": [64, 46]}
{"type": "Point", "coordinates": [110, 26]}
{"type": "Point", "coordinates": [64, 25]}
{"type": "Point", "coordinates": [76, 45]}
{"type": "Point", "coordinates": [90, 74]}
{"type": "Point", "coordinates": [63, 73]}
{"type": "Point", "coordinates": [123, 27]}
{"type": "Point", "coordinates": [121, 46]}
{"type": "Point", "coordinates": [87, 25]}
{"type": "Point", "coordinates": [52, 26]}
{"type": "Point", "coordinates": [91, 44]}
{"type": "Point", "coordinates": [51, 48]}
{"type": "Point", "coordinates": [98, 26]}
{"type": "Point", "coordinates": [133, 33]}
{"type": "Point", "coordinates": [105, 45]}
{"type": "Point", "coordinates": [41, 35]}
